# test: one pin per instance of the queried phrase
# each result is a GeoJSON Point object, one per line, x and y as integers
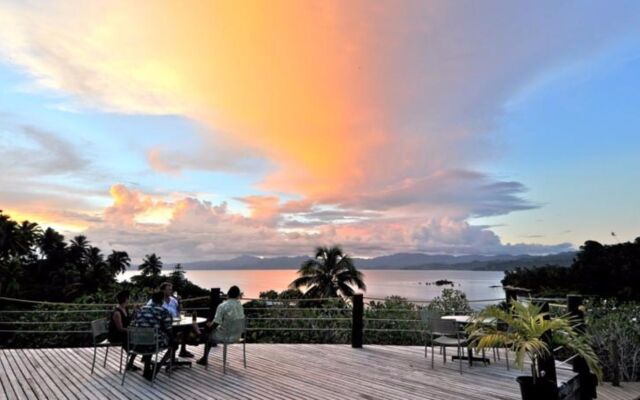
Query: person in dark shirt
{"type": "Point", "coordinates": [153, 315]}
{"type": "Point", "coordinates": [118, 322]}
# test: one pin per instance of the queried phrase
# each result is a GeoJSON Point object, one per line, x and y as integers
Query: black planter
{"type": "Point", "coordinates": [542, 389]}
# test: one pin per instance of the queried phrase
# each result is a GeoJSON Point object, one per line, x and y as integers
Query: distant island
{"type": "Point", "coordinates": [399, 261]}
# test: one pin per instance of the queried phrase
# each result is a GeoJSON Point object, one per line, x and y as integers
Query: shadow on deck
{"type": "Point", "coordinates": [275, 371]}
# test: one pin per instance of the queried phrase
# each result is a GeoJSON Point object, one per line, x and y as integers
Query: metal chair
{"type": "Point", "coordinates": [233, 331]}
{"type": "Point", "coordinates": [446, 333]}
{"type": "Point", "coordinates": [99, 331]}
{"type": "Point", "coordinates": [425, 317]}
{"type": "Point", "coordinates": [144, 342]}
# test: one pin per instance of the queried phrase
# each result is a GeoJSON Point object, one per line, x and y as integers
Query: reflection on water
{"type": "Point", "coordinates": [380, 283]}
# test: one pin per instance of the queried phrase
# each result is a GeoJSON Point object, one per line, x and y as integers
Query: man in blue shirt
{"type": "Point", "coordinates": [172, 305]}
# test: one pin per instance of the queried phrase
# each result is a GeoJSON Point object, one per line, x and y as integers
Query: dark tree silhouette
{"type": "Point", "coordinates": [151, 265]}
{"type": "Point", "coordinates": [330, 273]}
{"type": "Point", "coordinates": [118, 262]}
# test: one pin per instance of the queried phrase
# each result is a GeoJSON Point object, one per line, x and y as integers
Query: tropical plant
{"type": "Point", "coordinates": [615, 329]}
{"type": "Point", "coordinates": [529, 332]}
{"type": "Point", "coordinates": [330, 273]}
{"type": "Point", "coordinates": [118, 261]}
{"type": "Point", "coordinates": [151, 265]}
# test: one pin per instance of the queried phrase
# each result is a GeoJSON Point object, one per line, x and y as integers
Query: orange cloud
{"type": "Point", "coordinates": [130, 207]}
{"type": "Point", "coordinates": [288, 78]}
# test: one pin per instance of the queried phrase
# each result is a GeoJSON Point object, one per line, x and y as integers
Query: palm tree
{"type": "Point", "coordinates": [51, 244]}
{"type": "Point", "coordinates": [151, 265]}
{"type": "Point", "coordinates": [118, 261]}
{"type": "Point", "coordinates": [330, 273]}
{"type": "Point", "coordinates": [10, 240]}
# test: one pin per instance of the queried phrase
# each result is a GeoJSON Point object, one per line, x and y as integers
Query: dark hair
{"type": "Point", "coordinates": [234, 292]}
{"type": "Point", "coordinates": [157, 297]}
{"type": "Point", "coordinates": [122, 296]}
{"type": "Point", "coordinates": [164, 285]}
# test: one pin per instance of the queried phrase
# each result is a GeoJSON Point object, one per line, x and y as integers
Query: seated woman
{"type": "Point", "coordinates": [118, 323]}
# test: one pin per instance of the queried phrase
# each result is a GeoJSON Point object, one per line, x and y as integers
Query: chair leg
{"type": "Point", "coordinates": [444, 355]}
{"type": "Point", "coordinates": [506, 356]}
{"type": "Point", "coordinates": [460, 358]}
{"type": "Point", "coordinates": [120, 365]}
{"type": "Point", "coordinates": [106, 354]}
{"type": "Point", "coordinates": [93, 363]}
{"type": "Point", "coordinates": [433, 352]}
{"type": "Point", "coordinates": [155, 366]}
{"type": "Point", "coordinates": [224, 358]}
{"type": "Point", "coordinates": [244, 353]}
{"type": "Point", "coordinates": [124, 373]}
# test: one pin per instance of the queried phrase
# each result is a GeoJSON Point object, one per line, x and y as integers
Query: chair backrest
{"type": "Point", "coordinates": [142, 336]}
{"type": "Point", "coordinates": [99, 328]}
{"type": "Point", "coordinates": [427, 315]}
{"type": "Point", "coordinates": [439, 326]}
{"type": "Point", "coordinates": [232, 329]}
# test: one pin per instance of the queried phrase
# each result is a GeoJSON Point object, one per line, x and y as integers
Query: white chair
{"type": "Point", "coordinates": [99, 331]}
{"type": "Point", "coordinates": [144, 342]}
{"type": "Point", "coordinates": [231, 332]}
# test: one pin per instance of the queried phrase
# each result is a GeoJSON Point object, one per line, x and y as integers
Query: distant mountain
{"type": "Point", "coordinates": [397, 261]}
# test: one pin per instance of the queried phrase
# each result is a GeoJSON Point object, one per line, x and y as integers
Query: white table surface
{"type": "Point", "coordinates": [465, 319]}
{"type": "Point", "coordinates": [187, 320]}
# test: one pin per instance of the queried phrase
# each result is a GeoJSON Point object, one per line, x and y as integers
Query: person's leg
{"type": "Point", "coordinates": [183, 342]}
{"type": "Point", "coordinates": [208, 343]}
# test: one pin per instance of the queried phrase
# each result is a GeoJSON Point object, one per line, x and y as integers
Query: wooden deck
{"type": "Point", "coordinates": [275, 371]}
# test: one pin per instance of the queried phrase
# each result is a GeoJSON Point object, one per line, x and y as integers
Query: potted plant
{"type": "Point", "coordinates": [527, 331]}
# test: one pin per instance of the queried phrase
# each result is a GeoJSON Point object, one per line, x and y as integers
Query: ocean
{"type": "Point", "coordinates": [412, 284]}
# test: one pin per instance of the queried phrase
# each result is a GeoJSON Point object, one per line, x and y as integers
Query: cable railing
{"type": "Point", "coordinates": [267, 319]}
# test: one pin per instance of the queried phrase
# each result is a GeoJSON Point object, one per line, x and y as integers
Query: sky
{"type": "Point", "coordinates": [209, 130]}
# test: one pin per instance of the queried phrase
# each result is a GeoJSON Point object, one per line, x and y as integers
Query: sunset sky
{"type": "Point", "coordinates": [206, 130]}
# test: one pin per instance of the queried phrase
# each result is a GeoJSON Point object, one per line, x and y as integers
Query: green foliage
{"type": "Point", "coordinates": [608, 271]}
{"type": "Point", "coordinates": [450, 301]}
{"type": "Point", "coordinates": [528, 332]}
{"type": "Point", "coordinates": [329, 274]}
{"type": "Point", "coordinates": [615, 330]}
{"type": "Point", "coordinates": [41, 265]}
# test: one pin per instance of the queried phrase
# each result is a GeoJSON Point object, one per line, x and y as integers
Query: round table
{"type": "Point", "coordinates": [187, 320]}
{"type": "Point", "coordinates": [467, 319]}
{"type": "Point", "coordinates": [181, 324]}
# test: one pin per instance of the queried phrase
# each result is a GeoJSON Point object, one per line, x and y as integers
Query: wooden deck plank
{"type": "Point", "coordinates": [274, 372]}
{"type": "Point", "coordinates": [14, 384]}
{"type": "Point", "coordinates": [25, 376]}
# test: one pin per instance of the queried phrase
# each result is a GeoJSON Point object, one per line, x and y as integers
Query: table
{"type": "Point", "coordinates": [181, 324]}
{"type": "Point", "coordinates": [466, 320]}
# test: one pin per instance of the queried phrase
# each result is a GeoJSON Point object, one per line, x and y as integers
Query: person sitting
{"type": "Point", "coordinates": [230, 309]}
{"type": "Point", "coordinates": [118, 322]}
{"type": "Point", "coordinates": [154, 315]}
{"type": "Point", "coordinates": [172, 305]}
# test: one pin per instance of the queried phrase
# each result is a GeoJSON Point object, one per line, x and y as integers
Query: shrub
{"type": "Point", "coordinates": [616, 338]}
{"type": "Point", "coordinates": [451, 301]}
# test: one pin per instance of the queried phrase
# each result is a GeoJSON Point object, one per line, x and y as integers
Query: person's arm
{"type": "Point", "coordinates": [117, 320]}
{"type": "Point", "coordinates": [217, 320]}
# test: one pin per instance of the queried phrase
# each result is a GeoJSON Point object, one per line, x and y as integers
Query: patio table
{"type": "Point", "coordinates": [183, 324]}
{"type": "Point", "coordinates": [466, 320]}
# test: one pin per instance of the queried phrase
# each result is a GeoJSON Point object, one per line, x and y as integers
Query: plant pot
{"type": "Point", "coordinates": [542, 389]}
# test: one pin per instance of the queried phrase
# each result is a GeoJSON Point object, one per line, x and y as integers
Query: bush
{"type": "Point", "coordinates": [616, 336]}
{"type": "Point", "coordinates": [451, 301]}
